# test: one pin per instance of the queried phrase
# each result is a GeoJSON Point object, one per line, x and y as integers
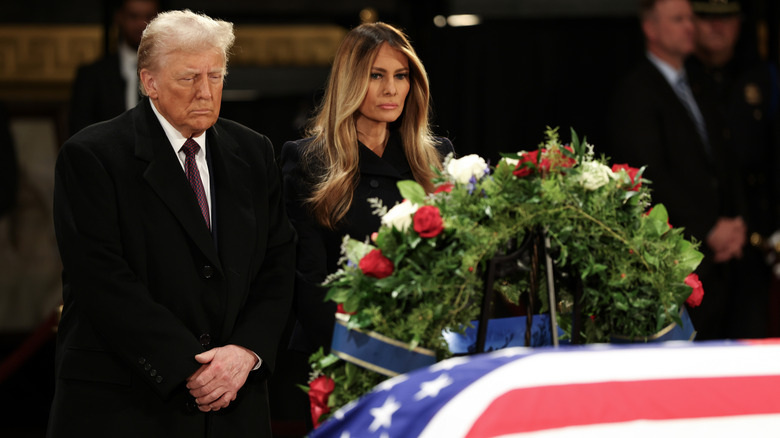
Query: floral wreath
{"type": "Point", "coordinates": [421, 272]}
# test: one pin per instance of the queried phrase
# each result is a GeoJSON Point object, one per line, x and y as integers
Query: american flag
{"type": "Point", "coordinates": [704, 389]}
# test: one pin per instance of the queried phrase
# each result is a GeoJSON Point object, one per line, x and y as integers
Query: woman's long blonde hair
{"type": "Point", "coordinates": [334, 150]}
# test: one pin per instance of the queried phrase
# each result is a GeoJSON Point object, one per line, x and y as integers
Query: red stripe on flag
{"type": "Point", "coordinates": [550, 407]}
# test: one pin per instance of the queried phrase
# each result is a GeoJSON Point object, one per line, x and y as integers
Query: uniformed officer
{"type": "Point", "coordinates": [727, 68]}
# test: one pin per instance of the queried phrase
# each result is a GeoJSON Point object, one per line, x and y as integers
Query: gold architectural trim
{"type": "Point", "coordinates": [51, 54]}
{"type": "Point", "coordinates": [47, 54]}
{"type": "Point", "coordinates": [293, 45]}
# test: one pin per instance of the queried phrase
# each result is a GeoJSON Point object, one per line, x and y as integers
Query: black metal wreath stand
{"type": "Point", "coordinates": [534, 247]}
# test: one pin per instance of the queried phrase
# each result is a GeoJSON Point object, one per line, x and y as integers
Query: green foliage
{"type": "Point", "coordinates": [631, 264]}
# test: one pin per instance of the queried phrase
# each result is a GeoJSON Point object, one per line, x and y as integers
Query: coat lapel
{"type": "Point", "coordinates": [233, 181]}
{"type": "Point", "coordinates": [166, 177]}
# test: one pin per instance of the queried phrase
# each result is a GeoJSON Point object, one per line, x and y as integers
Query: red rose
{"type": "Point", "coordinates": [697, 294]}
{"type": "Point", "coordinates": [560, 159]}
{"type": "Point", "coordinates": [427, 221]}
{"type": "Point", "coordinates": [374, 264]}
{"type": "Point", "coordinates": [631, 171]}
{"type": "Point", "coordinates": [319, 391]}
{"type": "Point", "coordinates": [446, 187]}
{"type": "Point", "coordinates": [523, 167]}
{"type": "Point", "coordinates": [544, 164]}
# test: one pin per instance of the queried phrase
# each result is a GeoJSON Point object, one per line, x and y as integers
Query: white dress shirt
{"type": "Point", "coordinates": [128, 68]}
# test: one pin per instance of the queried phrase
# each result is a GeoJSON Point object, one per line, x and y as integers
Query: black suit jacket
{"type": "Point", "coordinates": [319, 249]}
{"type": "Point", "coordinates": [98, 93]}
{"type": "Point", "coordinates": [146, 287]}
{"type": "Point", "coordinates": [650, 126]}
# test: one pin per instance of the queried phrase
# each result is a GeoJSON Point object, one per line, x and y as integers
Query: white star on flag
{"type": "Point", "coordinates": [511, 352]}
{"type": "Point", "coordinates": [390, 383]}
{"type": "Point", "coordinates": [431, 388]}
{"type": "Point", "coordinates": [383, 415]}
{"type": "Point", "coordinates": [448, 364]}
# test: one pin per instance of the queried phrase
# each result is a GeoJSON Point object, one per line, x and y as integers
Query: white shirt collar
{"type": "Point", "coordinates": [174, 136]}
{"type": "Point", "coordinates": [128, 61]}
{"type": "Point", "coordinates": [669, 73]}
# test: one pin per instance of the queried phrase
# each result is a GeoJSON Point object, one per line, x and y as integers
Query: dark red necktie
{"type": "Point", "coordinates": [191, 148]}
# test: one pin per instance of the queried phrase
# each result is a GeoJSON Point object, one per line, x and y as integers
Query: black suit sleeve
{"type": "Point", "coordinates": [266, 310]}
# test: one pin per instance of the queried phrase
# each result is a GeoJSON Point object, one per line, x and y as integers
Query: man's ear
{"type": "Point", "coordinates": [649, 30]}
{"type": "Point", "coordinates": [150, 84]}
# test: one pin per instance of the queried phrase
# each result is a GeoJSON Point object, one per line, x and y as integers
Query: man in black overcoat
{"type": "Point", "coordinates": [178, 255]}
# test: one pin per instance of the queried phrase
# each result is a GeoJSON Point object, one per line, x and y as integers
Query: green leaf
{"type": "Point", "coordinates": [337, 295]}
{"type": "Point", "coordinates": [657, 227]}
{"type": "Point", "coordinates": [575, 142]}
{"type": "Point", "coordinates": [328, 360]}
{"type": "Point", "coordinates": [628, 194]}
{"type": "Point", "coordinates": [689, 258]}
{"type": "Point", "coordinates": [352, 304]}
{"type": "Point", "coordinates": [659, 213]}
{"type": "Point", "coordinates": [412, 191]}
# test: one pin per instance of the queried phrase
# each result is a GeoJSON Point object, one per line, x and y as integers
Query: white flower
{"type": "Point", "coordinates": [512, 162]}
{"type": "Point", "coordinates": [400, 216]}
{"type": "Point", "coordinates": [464, 168]}
{"type": "Point", "coordinates": [595, 175]}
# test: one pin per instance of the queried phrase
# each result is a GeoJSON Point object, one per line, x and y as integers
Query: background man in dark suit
{"type": "Point", "coordinates": [657, 120]}
{"type": "Point", "coordinates": [109, 86]}
{"type": "Point", "coordinates": [178, 255]}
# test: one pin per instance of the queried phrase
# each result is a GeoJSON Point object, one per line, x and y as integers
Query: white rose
{"type": "Point", "coordinates": [464, 168]}
{"type": "Point", "coordinates": [400, 216]}
{"type": "Point", "coordinates": [595, 175]}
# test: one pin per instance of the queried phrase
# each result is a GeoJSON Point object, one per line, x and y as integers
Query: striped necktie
{"type": "Point", "coordinates": [191, 148]}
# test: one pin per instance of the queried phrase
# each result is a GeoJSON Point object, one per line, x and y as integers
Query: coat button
{"type": "Point", "coordinates": [373, 183]}
{"type": "Point", "coordinates": [141, 360]}
{"type": "Point", "coordinates": [205, 340]}
{"type": "Point", "coordinates": [147, 367]}
{"type": "Point", "coordinates": [153, 373]}
{"type": "Point", "coordinates": [158, 379]}
{"type": "Point", "coordinates": [207, 272]}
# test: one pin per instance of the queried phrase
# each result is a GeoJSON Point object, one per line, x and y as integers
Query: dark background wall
{"type": "Point", "coordinates": [529, 64]}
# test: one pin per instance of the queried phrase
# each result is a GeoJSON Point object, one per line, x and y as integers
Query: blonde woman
{"type": "Point", "coordinates": [370, 131]}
